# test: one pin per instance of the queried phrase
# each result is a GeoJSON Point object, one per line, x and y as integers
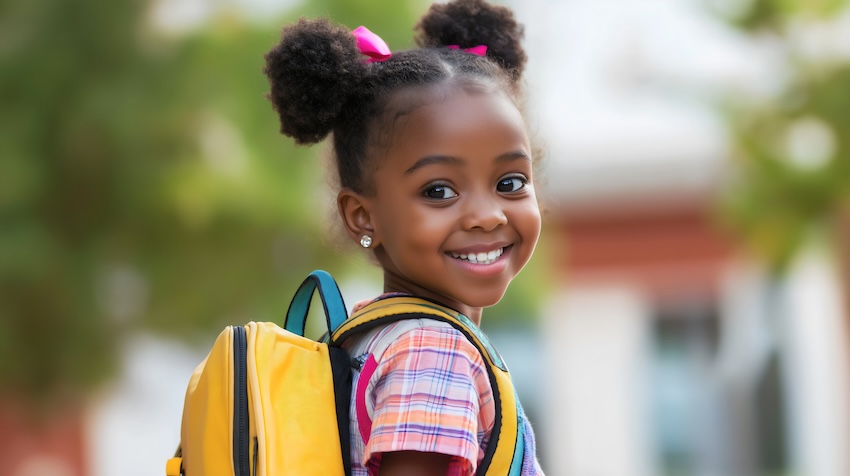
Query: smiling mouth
{"type": "Point", "coordinates": [488, 257]}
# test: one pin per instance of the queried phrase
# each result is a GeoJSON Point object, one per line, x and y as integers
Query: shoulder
{"type": "Point", "coordinates": [434, 364]}
{"type": "Point", "coordinates": [433, 344]}
{"type": "Point", "coordinates": [431, 393]}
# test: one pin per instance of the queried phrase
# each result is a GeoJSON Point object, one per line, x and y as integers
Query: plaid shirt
{"type": "Point", "coordinates": [429, 393]}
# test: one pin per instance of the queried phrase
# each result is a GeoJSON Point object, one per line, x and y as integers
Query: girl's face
{"type": "Point", "coordinates": [454, 214]}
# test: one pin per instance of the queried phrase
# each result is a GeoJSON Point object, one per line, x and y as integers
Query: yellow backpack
{"type": "Point", "coordinates": [269, 402]}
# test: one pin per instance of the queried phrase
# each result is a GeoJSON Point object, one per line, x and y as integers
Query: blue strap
{"type": "Point", "coordinates": [519, 449]}
{"type": "Point", "coordinates": [335, 313]}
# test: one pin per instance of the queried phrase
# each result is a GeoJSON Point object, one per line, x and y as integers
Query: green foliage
{"type": "Point", "coordinates": [773, 14]}
{"type": "Point", "coordinates": [143, 183]}
{"type": "Point", "coordinates": [393, 21]}
{"type": "Point", "coordinates": [792, 183]}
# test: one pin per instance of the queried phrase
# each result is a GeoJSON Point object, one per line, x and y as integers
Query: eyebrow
{"type": "Point", "coordinates": [455, 161]}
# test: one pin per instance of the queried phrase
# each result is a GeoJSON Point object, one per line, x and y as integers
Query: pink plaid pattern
{"type": "Point", "coordinates": [430, 392]}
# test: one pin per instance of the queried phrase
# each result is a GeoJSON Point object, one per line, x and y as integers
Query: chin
{"type": "Point", "coordinates": [479, 300]}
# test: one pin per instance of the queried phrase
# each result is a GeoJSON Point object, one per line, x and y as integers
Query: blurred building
{"type": "Point", "coordinates": [670, 350]}
{"type": "Point", "coordinates": [51, 444]}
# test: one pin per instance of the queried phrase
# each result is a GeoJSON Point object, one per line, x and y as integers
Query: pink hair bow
{"type": "Point", "coordinates": [371, 45]}
{"type": "Point", "coordinates": [480, 50]}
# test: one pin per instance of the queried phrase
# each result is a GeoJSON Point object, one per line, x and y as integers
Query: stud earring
{"type": "Point", "coordinates": [366, 241]}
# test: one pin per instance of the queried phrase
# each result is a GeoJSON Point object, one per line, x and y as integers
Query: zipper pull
{"type": "Point", "coordinates": [357, 362]}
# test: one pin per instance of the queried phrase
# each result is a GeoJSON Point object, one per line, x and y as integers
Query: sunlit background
{"type": "Point", "coordinates": [685, 314]}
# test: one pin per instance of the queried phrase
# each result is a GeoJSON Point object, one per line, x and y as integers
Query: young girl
{"type": "Point", "coordinates": [436, 174]}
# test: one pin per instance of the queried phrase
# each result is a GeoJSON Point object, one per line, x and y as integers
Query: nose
{"type": "Point", "coordinates": [484, 213]}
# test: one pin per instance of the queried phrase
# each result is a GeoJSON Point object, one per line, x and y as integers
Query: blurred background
{"type": "Point", "coordinates": [686, 312]}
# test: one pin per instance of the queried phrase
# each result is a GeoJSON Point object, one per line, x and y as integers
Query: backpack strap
{"type": "Point", "coordinates": [504, 453]}
{"type": "Point", "coordinates": [386, 337]}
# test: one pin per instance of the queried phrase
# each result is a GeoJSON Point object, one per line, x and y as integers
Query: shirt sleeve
{"type": "Point", "coordinates": [431, 394]}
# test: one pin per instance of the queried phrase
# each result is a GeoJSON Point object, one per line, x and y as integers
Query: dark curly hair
{"type": "Point", "coordinates": [321, 83]}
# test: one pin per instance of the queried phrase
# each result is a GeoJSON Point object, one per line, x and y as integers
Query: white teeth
{"type": "Point", "coordinates": [480, 258]}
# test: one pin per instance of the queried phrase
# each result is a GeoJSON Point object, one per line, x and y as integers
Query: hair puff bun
{"type": "Point", "coordinates": [313, 71]}
{"type": "Point", "coordinates": [470, 23]}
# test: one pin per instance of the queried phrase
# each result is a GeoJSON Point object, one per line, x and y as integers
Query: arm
{"type": "Point", "coordinates": [427, 393]}
{"type": "Point", "coordinates": [414, 463]}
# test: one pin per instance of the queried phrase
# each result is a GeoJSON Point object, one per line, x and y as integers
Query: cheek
{"type": "Point", "coordinates": [406, 224]}
{"type": "Point", "coordinates": [428, 227]}
{"type": "Point", "coordinates": [529, 222]}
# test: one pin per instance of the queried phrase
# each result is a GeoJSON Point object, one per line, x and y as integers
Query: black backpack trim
{"type": "Point", "coordinates": [341, 369]}
{"type": "Point", "coordinates": [241, 429]}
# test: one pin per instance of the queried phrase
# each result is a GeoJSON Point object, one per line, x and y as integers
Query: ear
{"type": "Point", "coordinates": [354, 209]}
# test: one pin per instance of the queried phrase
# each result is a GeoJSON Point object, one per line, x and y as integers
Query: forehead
{"type": "Point", "coordinates": [455, 121]}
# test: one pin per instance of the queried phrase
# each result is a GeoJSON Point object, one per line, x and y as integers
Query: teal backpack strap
{"type": "Point", "coordinates": [334, 307]}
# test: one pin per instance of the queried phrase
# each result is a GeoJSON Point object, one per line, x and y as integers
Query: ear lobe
{"type": "Point", "coordinates": [354, 211]}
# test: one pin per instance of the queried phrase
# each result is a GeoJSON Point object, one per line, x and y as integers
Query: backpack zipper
{"type": "Point", "coordinates": [241, 435]}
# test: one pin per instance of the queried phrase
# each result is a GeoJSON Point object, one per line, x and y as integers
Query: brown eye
{"type": "Point", "coordinates": [511, 184]}
{"type": "Point", "coordinates": [440, 192]}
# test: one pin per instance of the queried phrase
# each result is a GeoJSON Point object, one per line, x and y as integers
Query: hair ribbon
{"type": "Point", "coordinates": [371, 45]}
{"type": "Point", "coordinates": [377, 50]}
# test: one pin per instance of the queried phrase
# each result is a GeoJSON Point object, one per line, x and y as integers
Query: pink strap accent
{"type": "Point", "coordinates": [363, 420]}
{"type": "Point", "coordinates": [480, 50]}
{"type": "Point", "coordinates": [371, 45]}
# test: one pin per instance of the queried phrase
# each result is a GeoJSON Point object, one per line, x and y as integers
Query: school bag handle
{"type": "Point", "coordinates": [335, 313]}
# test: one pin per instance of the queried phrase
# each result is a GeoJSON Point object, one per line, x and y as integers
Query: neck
{"type": "Point", "coordinates": [396, 284]}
